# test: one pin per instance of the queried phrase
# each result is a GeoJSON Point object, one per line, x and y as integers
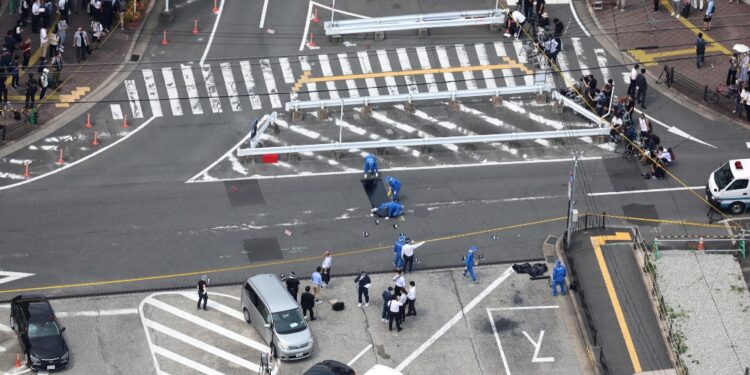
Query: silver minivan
{"type": "Point", "coordinates": [268, 306]}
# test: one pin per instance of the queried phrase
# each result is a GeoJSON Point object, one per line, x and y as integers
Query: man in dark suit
{"type": "Point", "coordinates": [308, 303]}
{"type": "Point", "coordinates": [387, 294]}
{"type": "Point", "coordinates": [640, 88]}
{"type": "Point", "coordinates": [292, 285]}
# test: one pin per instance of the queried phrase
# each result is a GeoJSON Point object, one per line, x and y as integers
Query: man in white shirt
{"type": "Point", "coordinates": [402, 305]}
{"type": "Point", "coordinates": [393, 307]}
{"type": "Point", "coordinates": [326, 266]}
{"type": "Point", "coordinates": [633, 75]}
{"type": "Point", "coordinates": [399, 282]}
{"type": "Point", "coordinates": [36, 16]}
{"type": "Point", "coordinates": [407, 251]}
{"type": "Point", "coordinates": [412, 298]}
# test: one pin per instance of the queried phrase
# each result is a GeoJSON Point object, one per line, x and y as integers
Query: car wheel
{"type": "Point", "coordinates": [737, 208]}
{"type": "Point", "coordinates": [246, 314]}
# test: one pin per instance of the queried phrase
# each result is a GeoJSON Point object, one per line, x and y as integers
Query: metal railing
{"type": "Point", "coordinates": [416, 21]}
{"type": "Point", "coordinates": [507, 137]}
{"type": "Point", "coordinates": [294, 104]}
{"type": "Point", "coordinates": [593, 117]}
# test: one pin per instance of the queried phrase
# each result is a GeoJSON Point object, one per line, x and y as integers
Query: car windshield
{"type": "Point", "coordinates": [289, 321]}
{"type": "Point", "coordinates": [723, 176]}
{"type": "Point", "coordinates": [43, 329]}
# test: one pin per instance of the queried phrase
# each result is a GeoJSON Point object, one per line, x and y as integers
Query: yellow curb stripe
{"type": "Point", "coordinates": [696, 30]}
{"type": "Point", "coordinates": [649, 59]}
{"type": "Point", "coordinates": [597, 242]}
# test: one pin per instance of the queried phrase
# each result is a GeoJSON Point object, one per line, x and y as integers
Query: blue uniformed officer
{"type": "Point", "coordinates": [394, 186]}
{"type": "Point", "coordinates": [389, 209]}
{"type": "Point", "coordinates": [371, 166]}
{"type": "Point", "coordinates": [469, 263]}
{"type": "Point", "coordinates": [558, 278]}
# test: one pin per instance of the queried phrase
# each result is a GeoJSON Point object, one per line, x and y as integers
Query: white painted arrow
{"type": "Point", "coordinates": [537, 346]}
{"type": "Point", "coordinates": [7, 276]}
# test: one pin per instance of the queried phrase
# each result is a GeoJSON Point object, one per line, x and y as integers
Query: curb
{"type": "Point", "coordinates": [98, 93]}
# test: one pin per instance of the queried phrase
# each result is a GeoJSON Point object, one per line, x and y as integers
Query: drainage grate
{"type": "Point", "coordinates": [135, 58]}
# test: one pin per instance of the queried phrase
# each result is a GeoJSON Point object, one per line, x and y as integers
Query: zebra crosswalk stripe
{"type": "Point", "coordinates": [171, 85]}
{"type": "Point", "coordinates": [153, 95]}
{"type": "Point", "coordinates": [463, 60]}
{"type": "Point", "coordinates": [325, 66]}
{"type": "Point", "coordinates": [601, 60]}
{"type": "Point", "coordinates": [445, 63]}
{"type": "Point", "coordinates": [507, 73]}
{"type": "Point", "coordinates": [286, 70]}
{"type": "Point", "coordinates": [562, 61]}
{"type": "Point", "coordinates": [346, 69]}
{"type": "Point", "coordinates": [582, 60]}
{"type": "Point", "coordinates": [213, 92]}
{"type": "Point", "coordinates": [234, 99]}
{"type": "Point", "coordinates": [135, 104]}
{"type": "Point", "coordinates": [192, 89]}
{"type": "Point", "coordinates": [424, 62]}
{"type": "Point", "coordinates": [403, 60]}
{"type": "Point", "coordinates": [247, 76]}
{"type": "Point", "coordinates": [385, 65]}
{"type": "Point", "coordinates": [273, 95]}
{"type": "Point", "coordinates": [518, 46]}
{"type": "Point", "coordinates": [489, 78]}
{"type": "Point", "coordinates": [364, 63]}
{"type": "Point", "coordinates": [312, 88]}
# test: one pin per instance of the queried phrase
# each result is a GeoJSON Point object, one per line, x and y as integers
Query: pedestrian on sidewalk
{"type": "Point", "coordinates": [710, 9]}
{"type": "Point", "coordinates": [62, 30]}
{"type": "Point", "coordinates": [54, 42]}
{"type": "Point", "coordinates": [96, 10]}
{"type": "Point", "coordinates": [26, 50]}
{"type": "Point", "coordinates": [620, 4]}
{"type": "Point", "coordinates": [676, 8]}
{"type": "Point", "coordinates": [326, 267]}
{"type": "Point", "coordinates": [412, 298]}
{"type": "Point", "coordinates": [120, 9]}
{"type": "Point", "coordinates": [408, 253]}
{"type": "Point", "coordinates": [697, 4]}
{"type": "Point", "coordinates": [732, 71]}
{"type": "Point", "coordinates": [108, 14]}
{"type": "Point", "coordinates": [686, 8]}
{"type": "Point", "coordinates": [25, 8]}
{"type": "Point", "coordinates": [43, 83]}
{"type": "Point", "coordinates": [402, 300]}
{"type": "Point", "coordinates": [656, 6]}
{"type": "Point", "coordinates": [399, 282]}
{"type": "Point", "coordinates": [63, 8]}
{"type": "Point", "coordinates": [363, 288]}
{"type": "Point", "coordinates": [292, 285]}
{"type": "Point", "coordinates": [81, 43]}
{"type": "Point", "coordinates": [700, 50]}
{"type": "Point", "coordinates": [47, 14]}
{"type": "Point", "coordinates": [633, 75]}
{"type": "Point", "coordinates": [469, 264]}
{"type": "Point", "coordinates": [3, 88]}
{"type": "Point", "coordinates": [387, 294]}
{"type": "Point", "coordinates": [640, 87]}
{"type": "Point", "coordinates": [393, 313]}
{"type": "Point", "coordinates": [36, 15]}
{"type": "Point", "coordinates": [745, 100]}
{"type": "Point", "coordinates": [317, 281]}
{"type": "Point", "coordinates": [307, 302]}
{"type": "Point", "coordinates": [97, 31]}
{"type": "Point", "coordinates": [31, 87]}
{"type": "Point", "coordinates": [43, 41]}
{"type": "Point", "coordinates": [203, 292]}
{"type": "Point", "coordinates": [15, 71]}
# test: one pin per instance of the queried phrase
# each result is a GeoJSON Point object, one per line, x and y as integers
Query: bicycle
{"type": "Point", "coordinates": [729, 92]}
{"type": "Point", "coordinates": [9, 110]}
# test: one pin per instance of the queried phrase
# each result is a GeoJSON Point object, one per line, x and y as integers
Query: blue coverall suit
{"type": "Point", "coordinates": [391, 209]}
{"type": "Point", "coordinates": [558, 278]}
{"type": "Point", "coordinates": [398, 260]}
{"type": "Point", "coordinates": [371, 166]}
{"type": "Point", "coordinates": [395, 187]}
{"type": "Point", "coordinates": [470, 264]}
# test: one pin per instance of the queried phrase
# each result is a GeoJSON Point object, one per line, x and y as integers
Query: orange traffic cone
{"type": "Point", "coordinates": [195, 27]}
{"type": "Point", "coordinates": [60, 160]}
{"type": "Point", "coordinates": [701, 245]}
{"type": "Point", "coordinates": [216, 7]}
{"type": "Point", "coordinates": [312, 42]}
{"type": "Point", "coordinates": [315, 16]}
{"type": "Point", "coordinates": [125, 121]}
{"type": "Point", "coordinates": [164, 39]}
{"type": "Point", "coordinates": [95, 141]}
{"type": "Point", "coordinates": [88, 121]}
{"type": "Point", "coordinates": [18, 360]}
{"type": "Point", "coordinates": [26, 172]}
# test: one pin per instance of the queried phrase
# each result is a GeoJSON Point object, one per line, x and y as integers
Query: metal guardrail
{"type": "Point", "coordinates": [507, 137]}
{"type": "Point", "coordinates": [259, 127]}
{"type": "Point", "coordinates": [294, 105]}
{"type": "Point", "coordinates": [416, 21]}
{"type": "Point", "coordinates": [580, 109]}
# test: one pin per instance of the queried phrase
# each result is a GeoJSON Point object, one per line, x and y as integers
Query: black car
{"type": "Point", "coordinates": [40, 335]}
{"type": "Point", "coordinates": [330, 367]}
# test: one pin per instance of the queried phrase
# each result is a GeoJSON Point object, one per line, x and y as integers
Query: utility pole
{"type": "Point", "coordinates": [571, 195]}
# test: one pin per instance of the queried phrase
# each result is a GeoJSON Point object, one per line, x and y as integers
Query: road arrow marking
{"type": "Point", "coordinates": [7, 276]}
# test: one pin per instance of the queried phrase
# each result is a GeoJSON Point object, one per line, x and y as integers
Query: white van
{"type": "Point", "coordinates": [728, 186]}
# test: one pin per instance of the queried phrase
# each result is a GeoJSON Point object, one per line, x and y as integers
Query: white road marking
{"type": "Point", "coordinates": [200, 345]}
{"type": "Point", "coordinates": [263, 14]}
{"type": "Point", "coordinates": [8, 276]}
{"type": "Point", "coordinates": [499, 345]}
{"type": "Point", "coordinates": [213, 33]}
{"type": "Point", "coordinates": [403, 60]}
{"type": "Point", "coordinates": [524, 307]}
{"type": "Point", "coordinates": [507, 73]}
{"type": "Point", "coordinates": [456, 318]}
{"type": "Point", "coordinates": [675, 130]}
{"type": "Point", "coordinates": [312, 88]}
{"type": "Point", "coordinates": [325, 66]}
{"type": "Point", "coordinates": [562, 62]}
{"type": "Point", "coordinates": [166, 353]}
{"type": "Point", "coordinates": [174, 96]}
{"type": "Point", "coordinates": [307, 26]}
{"type": "Point", "coordinates": [575, 15]}
{"type": "Point", "coordinates": [442, 55]}
{"type": "Point", "coordinates": [489, 78]}
{"type": "Point", "coordinates": [537, 345]}
{"type": "Point", "coordinates": [385, 66]}
{"type": "Point", "coordinates": [502, 125]}
{"type": "Point", "coordinates": [582, 59]}
{"type": "Point", "coordinates": [601, 60]}
{"type": "Point", "coordinates": [234, 313]}
{"type": "Point", "coordinates": [153, 95]}
{"type": "Point", "coordinates": [116, 111]}
{"type": "Point", "coordinates": [346, 69]}
{"type": "Point", "coordinates": [463, 60]}
{"type": "Point", "coordinates": [213, 92]}
{"type": "Point", "coordinates": [528, 79]}
{"type": "Point", "coordinates": [698, 188]}
{"type": "Point", "coordinates": [87, 157]}
{"type": "Point", "coordinates": [747, 144]}
{"type": "Point", "coordinates": [98, 313]}
{"type": "Point", "coordinates": [192, 89]}
{"type": "Point", "coordinates": [273, 95]}
{"type": "Point", "coordinates": [358, 356]}
{"type": "Point", "coordinates": [424, 62]}
{"type": "Point", "coordinates": [364, 63]}
{"type": "Point", "coordinates": [286, 70]}
{"type": "Point", "coordinates": [234, 99]}
{"type": "Point", "coordinates": [247, 76]}
{"type": "Point", "coordinates": [135, 104]}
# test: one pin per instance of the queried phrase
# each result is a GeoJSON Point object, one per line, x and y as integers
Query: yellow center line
{"type": "Point", "coordinates": [597, 242]}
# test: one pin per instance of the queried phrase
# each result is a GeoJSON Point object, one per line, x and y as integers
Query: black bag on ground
{"type": "Point", "coordinates": [338, 306]}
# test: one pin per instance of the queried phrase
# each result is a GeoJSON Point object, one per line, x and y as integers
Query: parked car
{"type": "Point", "coordinates": [40, 335]}
{"type": "Point", "coordinates": [330, 367]}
